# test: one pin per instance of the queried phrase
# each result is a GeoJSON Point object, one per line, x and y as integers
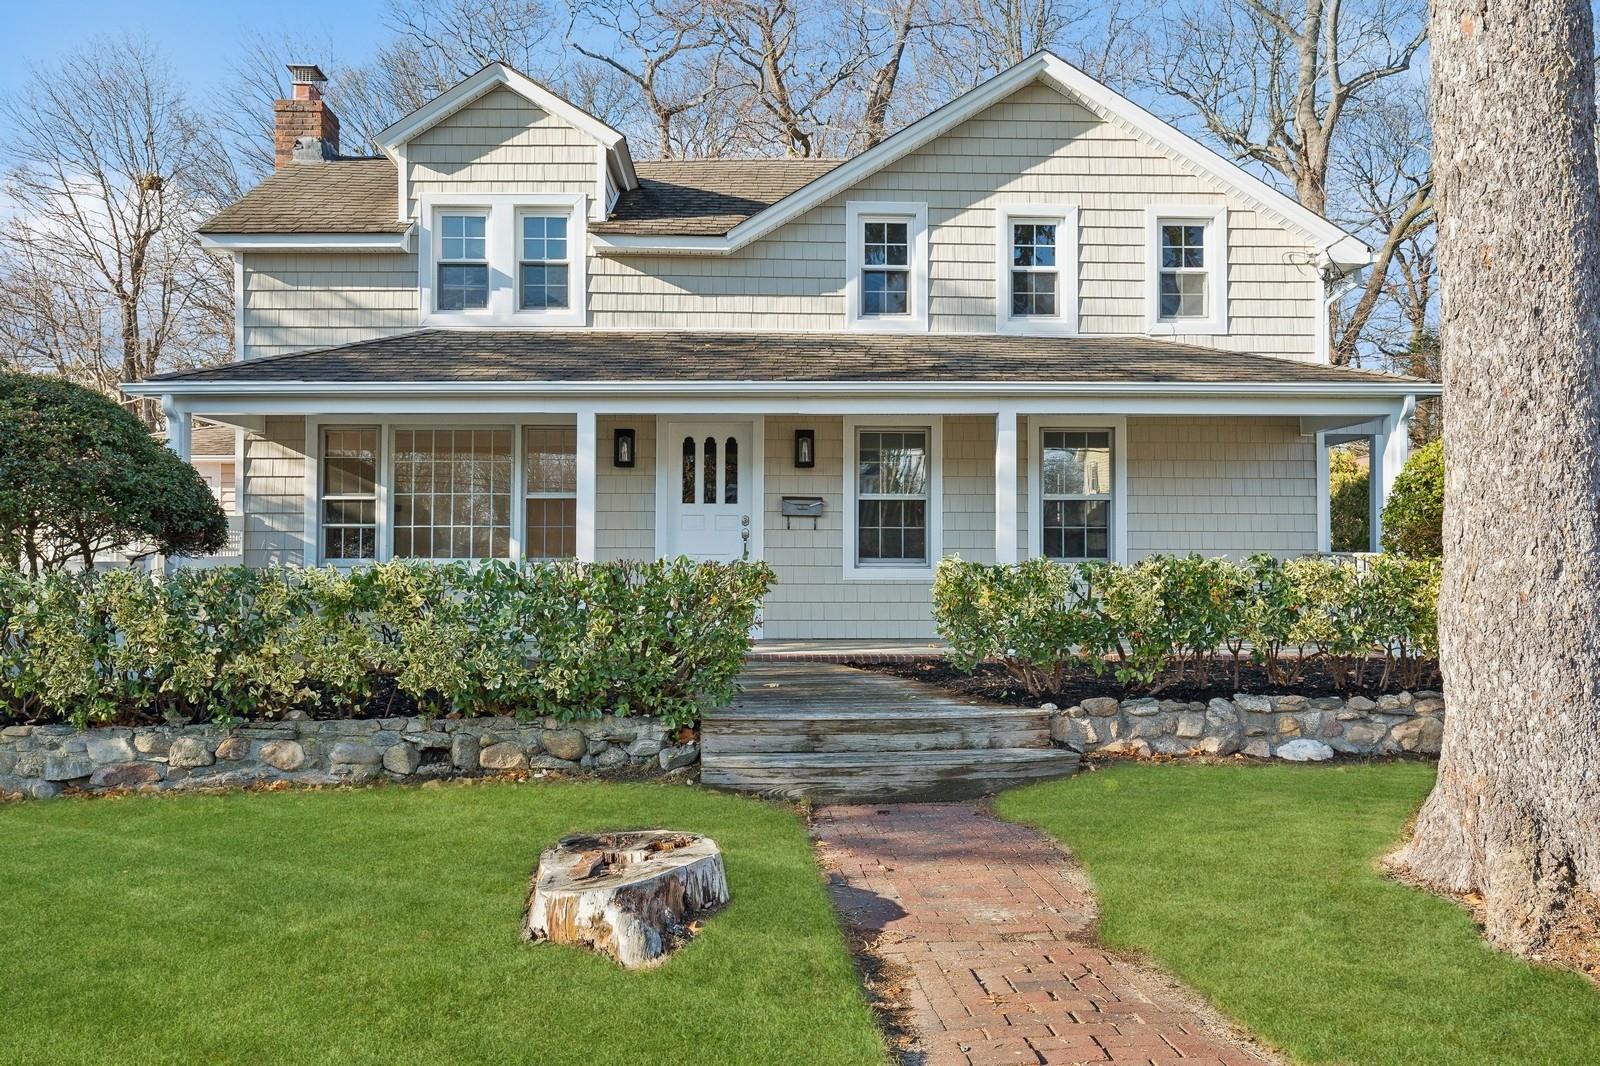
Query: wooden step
{"type": "Point", "coordinates": [906, 776]}
{"type": "Point", "coordinates": [734, 730]}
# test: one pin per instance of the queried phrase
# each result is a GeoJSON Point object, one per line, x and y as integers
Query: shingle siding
{"type": "Point", "coordinates": [275, 493]}
{"type": "Point", "coordinates": [1035, 145]}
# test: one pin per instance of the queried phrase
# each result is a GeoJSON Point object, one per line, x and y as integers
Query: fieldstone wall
{"type": "Point", "coordinates": [40, 761]}
{"type": "Point", "coordinates": [1264, 727]}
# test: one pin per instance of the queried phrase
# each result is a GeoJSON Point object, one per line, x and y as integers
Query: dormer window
{"type": "Point", "coordinates": [463, 263]}
{"type": "Point", "coordinates": [886, 281]}
{"type": "Point", "coordinates": [543, 267]}
{"type": "Point", "coordinates": [503, 260]}
{"type": "Point", "coordinates": [1186, 267]}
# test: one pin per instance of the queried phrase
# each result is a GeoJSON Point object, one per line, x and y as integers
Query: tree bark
{"type": "Point", "coordinates": [1515, 813]}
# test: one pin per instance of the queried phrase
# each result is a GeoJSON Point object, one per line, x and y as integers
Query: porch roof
{"type": "Point", "coordinates": [533, 357]}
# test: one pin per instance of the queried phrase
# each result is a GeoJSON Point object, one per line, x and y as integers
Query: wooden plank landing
{"type": "Point", "coordinates": [837, 734]}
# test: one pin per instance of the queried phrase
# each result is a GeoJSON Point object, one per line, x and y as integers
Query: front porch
{"type": "Point", "coordinates": [849, 463]}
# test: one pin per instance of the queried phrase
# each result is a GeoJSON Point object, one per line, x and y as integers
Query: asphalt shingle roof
{"type": "Point", "coordinates": [706, 196]}
{"type": "Point", "coordinates": [335, 196]}
{"type": "Point", "coordinates": [459, 356]}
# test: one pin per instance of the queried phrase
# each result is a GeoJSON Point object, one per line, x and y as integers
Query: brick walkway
{"type": "Point", "coordinates": [990, 930]}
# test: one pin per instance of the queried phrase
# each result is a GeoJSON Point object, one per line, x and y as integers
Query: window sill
{"type": "Point", "coordinates": [857, 572]}
{"type": "Point", "coordinates": [1036, 327]}
{"type": "Point", "coordinates": [516, 320]}
{"type": "Point", "coordinates": [1199, 327]}
{"type": "Point", "coordinates": [877, 324]}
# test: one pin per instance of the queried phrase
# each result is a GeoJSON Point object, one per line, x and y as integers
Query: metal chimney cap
{"type": "Point", "coordinates": [306, 74]}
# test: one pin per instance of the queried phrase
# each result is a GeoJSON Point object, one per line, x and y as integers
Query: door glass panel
{"type": "Point", "coordinates": [688, 470]}
{"type": "Point", "coordinates": [711, 470]}
{"type": "Point", "coordinates": [730, 471]}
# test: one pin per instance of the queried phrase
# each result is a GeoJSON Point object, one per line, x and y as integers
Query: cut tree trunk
{"type": "Point", "coordinates": [630, 895]}
{"type": "Point", "coordinates": [1515, 813]}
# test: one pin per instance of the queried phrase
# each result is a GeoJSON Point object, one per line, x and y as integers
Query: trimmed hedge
{"type": "Point", "coordinates": [662, 639]}
{"type": "Point", "coordinates": [1413, 517]}
{"type": "Point", "coordinates": [1172, 619]}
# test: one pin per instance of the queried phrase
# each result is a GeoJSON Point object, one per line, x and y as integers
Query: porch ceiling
{"type": "Point", "coordinates": [533, 357]}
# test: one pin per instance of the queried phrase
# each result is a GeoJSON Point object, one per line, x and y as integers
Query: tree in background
{"type": "Point", "coordinates": [80, 476]}
{"type": "Point", "coordinates": [1514, 815]}
{"type": "Point", "coordinates": [101, 278]}
{"type": "Point", "coordinates": [1349, 498]}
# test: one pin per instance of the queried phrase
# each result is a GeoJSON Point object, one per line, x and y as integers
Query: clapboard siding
{"type": "Point", "coordinates": [1037, 145]}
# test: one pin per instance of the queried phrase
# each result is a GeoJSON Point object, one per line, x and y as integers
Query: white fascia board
{"type": "Point", "coordinates": [788, 389]}
{"type": "Point", "coordinates": [486, 80]}
{"type": "Point", "coordinates": [308, 242]}
{"type": "Point", "coordinates": [1338, 246]}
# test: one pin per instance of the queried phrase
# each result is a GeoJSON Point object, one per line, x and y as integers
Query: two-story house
{"type": "Point", "coordinates": [1039, 321]}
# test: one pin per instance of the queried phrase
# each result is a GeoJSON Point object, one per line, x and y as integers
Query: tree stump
{"type": "Point", "coordinates": [629, 895]}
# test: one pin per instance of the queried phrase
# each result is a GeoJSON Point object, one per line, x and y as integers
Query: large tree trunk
{"type": "Point", "coordinates": [1515, 814]}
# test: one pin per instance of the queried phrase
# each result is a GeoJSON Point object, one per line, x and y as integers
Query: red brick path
{"type": "Point", "coordinates": [994, 931]}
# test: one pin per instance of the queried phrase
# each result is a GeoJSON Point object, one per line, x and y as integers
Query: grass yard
{"type": "Point", "coordinates": [381, 926]}
{"type": "Point", "coordinates": [1257, 885]}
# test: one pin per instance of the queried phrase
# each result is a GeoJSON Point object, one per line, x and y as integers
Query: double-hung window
{"type": "Point", "coordinates": [1187, 262]}
{"type": "Point", "coordinates": [542, 266]}
{"type": "Point", "coordinates": [349, 478]}
{"type": "Point", "coordinates": [887, 279]}
{"type": "Point", "coordinates": [550, 471]}
{"type": "Point", "coordinates": [1075, 495]}
{"type": "Point", "coordinates": [1036, 268]}
{"type": "Point", "coordinates": [463, 283]}
{"type": "Point", "coordinates": [892, 499]}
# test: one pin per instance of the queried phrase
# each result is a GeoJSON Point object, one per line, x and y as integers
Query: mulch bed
{"type": "Point", "coordinates": [991, 682]}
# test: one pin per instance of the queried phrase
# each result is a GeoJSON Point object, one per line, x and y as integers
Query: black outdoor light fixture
{"type": "Point", "coordinates": [622, 448]}
{"type": "Point", "coordinates": [805, 448]}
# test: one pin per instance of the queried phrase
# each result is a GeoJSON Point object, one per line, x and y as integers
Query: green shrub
{"type": "Point", "coordinates": [1349, 499]}
{"type": "Point", "coordinates": [80, 476]}
{"type": "Point", "coordinates": [1413, 517]}
{"type": "Point", "coordinates": [1166, 620]}
{"type": "Point", "coordinates": [662, 639]}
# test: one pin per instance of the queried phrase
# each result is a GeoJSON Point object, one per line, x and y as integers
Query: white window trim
{"type": "Point", "coordinates": [312, 538]}
{"type": "Point", "coordinates": [1065, 322]}
{"type": "Point", "coordinates": [502, 239]}
{"type": "Point", "coordinates": [1215, 218]}
{"type": "Point", "coordinates": [856, 214]}
{"type": "Point", "coordinates": [1118, 425]}
{"type": "Point", "coordinates": [934, 424]}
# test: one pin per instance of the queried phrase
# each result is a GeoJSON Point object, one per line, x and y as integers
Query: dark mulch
{"type": "Point", "coordinates": [991, 682]}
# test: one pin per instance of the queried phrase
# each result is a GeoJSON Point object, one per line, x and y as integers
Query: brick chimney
{"type": "Point", "coordinates": [306, 129]}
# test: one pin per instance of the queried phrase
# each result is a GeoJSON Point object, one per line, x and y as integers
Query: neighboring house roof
{"type": "Point", "coordinates": [336, 196]}
{"type": "Point", "coordinates": [589, 356]}
{"type": "Point", "coordinates": [211, 441]}
{"type": "Point", "coordinates": [707, 196]}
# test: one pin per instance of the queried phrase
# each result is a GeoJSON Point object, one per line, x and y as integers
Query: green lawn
{"type": "Point", "coordinates": [381, 926]}
{"type": "Point", "coordinates": [1257, 885]}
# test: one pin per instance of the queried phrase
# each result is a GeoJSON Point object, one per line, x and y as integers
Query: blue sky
{"type": "Point", "coordinates": [198, 38]}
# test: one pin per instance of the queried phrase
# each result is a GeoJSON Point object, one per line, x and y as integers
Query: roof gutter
{"type": "Point", "coordinates": [1361, 389]}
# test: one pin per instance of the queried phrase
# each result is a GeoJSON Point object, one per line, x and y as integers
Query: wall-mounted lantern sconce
{"type": "Point", "coordinates": [622, 448]}
{"type": "Point", "coordinates": [805, 448]}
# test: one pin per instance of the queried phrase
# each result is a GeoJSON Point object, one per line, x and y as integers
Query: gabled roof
{"type": "Point", "coordinates": [496, 75]}
{"type": "Point", "coordinates": [331, 196]}
{"type": "Point", "coordinates": [941, 361]}
{"type": "Point", "coordinates": [1339, 246]}
{"type": "Point", "coordinates": [707, 196]}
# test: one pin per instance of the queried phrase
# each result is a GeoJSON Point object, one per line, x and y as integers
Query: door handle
{"type": "Point", "coordinates": [744, 535]}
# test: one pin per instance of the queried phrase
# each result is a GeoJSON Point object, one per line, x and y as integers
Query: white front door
{"type": "Point", "coordinates": [710, 512]}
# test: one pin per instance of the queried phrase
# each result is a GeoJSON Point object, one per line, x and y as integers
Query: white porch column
{"type": "Point", "coordinates": [1396, 449]}
{"type": "Point", "coordinates": [178, 426]}
{"type": "Point", "coordinates": [1005, 486]}
{"type": "Point", "coordinates": [588, 463]}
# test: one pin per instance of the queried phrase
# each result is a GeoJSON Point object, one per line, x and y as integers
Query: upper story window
{"type": "Point", "coordinates": [887, 278]}
{"type": "Point", "coordinates": [463, 263]}
{"type": "Point", "coordinates": [509, 260]}
{"type": "Point", "coordinates": [1036, 268]}
{"type": "Point", "coordinates": [542, 269]}
{"type": "Point", "coordinates": [1187, 270]}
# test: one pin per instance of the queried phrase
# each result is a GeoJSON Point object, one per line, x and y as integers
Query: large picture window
{"type": "Point", "coordinates": [893, 474]}
{"type": "Point", "coordinates": [1076, 493]}
{"type": "Point", "coordinates": [349, 505]}
{"type": "Point", "coordinates": [550, 468]}
{"type": "Point", "coordinates": [452, 493]}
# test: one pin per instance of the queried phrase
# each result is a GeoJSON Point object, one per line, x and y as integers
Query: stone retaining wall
{"type": "Point", "coordinates": [1285, 727]}
{"type": "Point", "coordinates": [40, 761]}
